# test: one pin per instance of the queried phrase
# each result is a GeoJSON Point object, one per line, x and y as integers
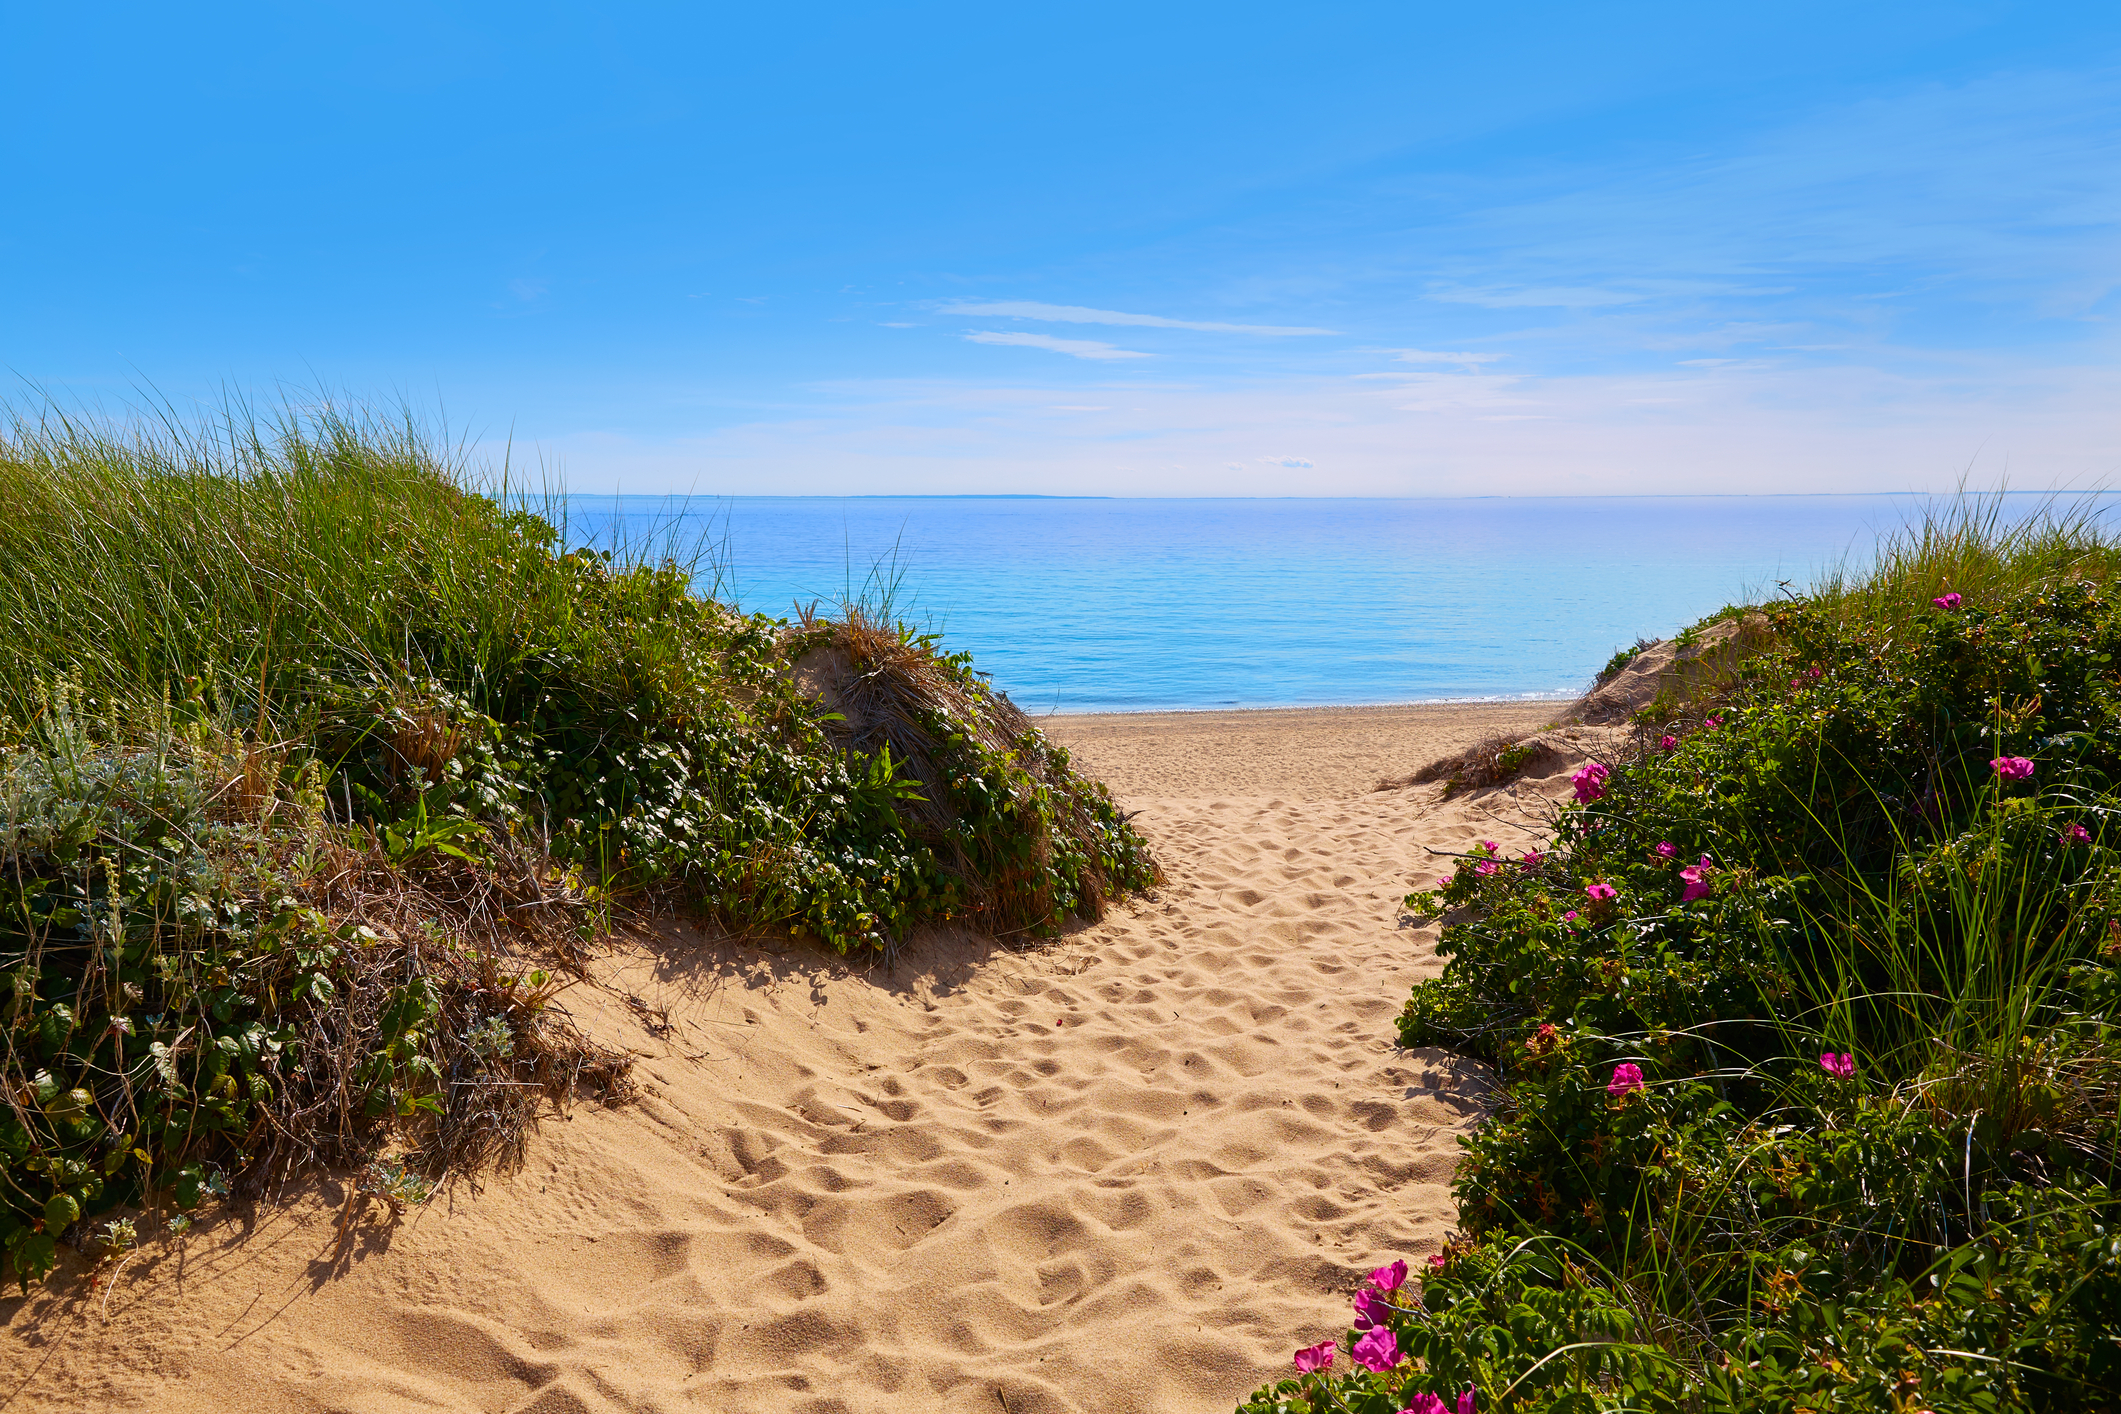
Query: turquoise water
{"type": "Point", "coordinates": [1130, 605]}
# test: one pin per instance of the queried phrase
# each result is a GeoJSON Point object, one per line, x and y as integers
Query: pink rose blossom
{"type": "Point", "coordinates": [1486, 867]}
{"type": "Point", "coordinates": [1600, 893]}
{"type": "Point", "coordinates": [1841, 1067]}
{"type": "Point", "coordinates": [1533, 859]}
{"type": "Point", "coordinates": [1627, 1079]}
{"type": "Point", "coordinates": [1371, 1309]}
{"type": "Point", "coordinates": [1433, 1404]}
{"type": "Point", "coordinates": [1712, 723]}
{"type": "Point", "coordinates": [1667, 742]}
{"type": "Point", "coordinates": [1947, 600]}
{"type": "Point", "coordinates": [1667, 850]}
{"type": "Point", "coordinates": [1590, 782]}
{"type": "Point", "coordinates": [1437, 1261]}
{"type": "Point", "coordinates": [1569, 917]}
{"type": "Point", "coordinates": [1377, 1352]}
{"type": "Point", "coordinates": [1317, 1357]}
{"type": "Point", "coordinates": [2076, 834]}
{"type": "Point", "coordinates": [1815, 673]}
{"type": "Point", "coordinates": [1489, 845]}
{"type": "Point", "coordinates": [1697, 882]}
{"type": "Point", "coordinates": [2013, 768]}
{"type": "Point", "coordinates": [1389, 1278]}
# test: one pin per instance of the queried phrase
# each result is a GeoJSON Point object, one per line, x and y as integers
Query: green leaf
{"type": "Point", "coordinates": [34, 1256]}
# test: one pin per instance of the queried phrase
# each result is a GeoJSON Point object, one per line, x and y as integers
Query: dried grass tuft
{"type": "Point", "coordinates": [482, 937]}
{"type": "Point", "coordinates": [1493, 760]}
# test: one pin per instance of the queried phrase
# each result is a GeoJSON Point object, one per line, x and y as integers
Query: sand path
{"type": "Point", "coordinates": [1127, 1171]}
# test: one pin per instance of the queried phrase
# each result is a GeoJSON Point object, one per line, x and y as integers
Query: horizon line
{"type": "Point", "coordinates": [1543, 496]}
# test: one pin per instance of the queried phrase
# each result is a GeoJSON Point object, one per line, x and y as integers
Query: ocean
{"type": "Point", "coordinates": [1097, 605]}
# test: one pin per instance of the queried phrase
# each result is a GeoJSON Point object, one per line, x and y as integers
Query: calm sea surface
{"type": "Point", "coordinates": [1130, 605]}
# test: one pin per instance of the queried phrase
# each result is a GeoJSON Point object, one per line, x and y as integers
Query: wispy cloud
{"type": "Point", "coordinates": [1074, 348]}
{"type": "Point", "coordinates": [1845, 428]}
{"type": "Point", "coordinates": [1963, 204]}
{"type": "Point", "coordinates": [1080, 314]}
{"type": "Point", "coordinates": [1532, 296]}
{"type": "Point", "coordinates": [1463, 360]}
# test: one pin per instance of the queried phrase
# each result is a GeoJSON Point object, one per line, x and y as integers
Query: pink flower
{"type": "Point", "coordinates": [1627, 1079]}
{"type": "Point", "coordinates": [1589, 782]}
{"type": "Point", "coordinates": [1697, 879]}
{"type": "Point", "coordinates": [1486, 867]}
{"type": "Point", "coordinates": [1377, 1352]}
{"type": "Point", "coordinates": [1489, 845]}
{"type": "Point", "coordinates": [1371, 1309]}
{"type": "Point", "coordinates": [1815, 673]}
{"type": "Point", "coordinates": [1712, 723]}
{"type": "Point", "coordinates": [1316, 1357]}
{"type": "Point", "coordinates": [1437, 1261]}
{"type": "Point", "coordinates": [1533, 859]}
{"type": "Point", "coordinates": [1948, 600]}
{"type": "Point", "coordinates": [1667, 850]}
{"type": "Point", "coordinates": [1569, 917]}
{"type": "Point", "coordinates": [2076, 834]}
{"type": "Point", "coordinates": [1389, 1278]}
{"type": "Point", "coordinates": [2013, 768]}
{"type": "Point", "coordinates": [1600, 893]}
{"type": "Point", "coordinates": [1433, 1404]}
{"type": "Point", "coordinates": [1841, 1067]}
{"type": "Point", "coordinates": [1667, 742]}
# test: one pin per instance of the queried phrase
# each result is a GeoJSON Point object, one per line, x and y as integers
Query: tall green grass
{"type": "Point", "coordinates": [249, 558]}
{"type": "Point", "coordinates": [1981, 546]}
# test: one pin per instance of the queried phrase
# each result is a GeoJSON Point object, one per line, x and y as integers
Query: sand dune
{"type": "Point", "coordinates": [1127, 1170]}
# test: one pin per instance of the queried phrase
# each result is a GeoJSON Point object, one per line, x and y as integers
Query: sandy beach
{"type": "Point", "coordinates": [1126, 1170]}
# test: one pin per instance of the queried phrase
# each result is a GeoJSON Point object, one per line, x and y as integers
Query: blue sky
{"type": "Point", "coordinates": [1407, 249]}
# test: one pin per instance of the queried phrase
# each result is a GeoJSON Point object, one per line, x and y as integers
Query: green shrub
{"type": "Point", "coordinates": [1807, 1021]}
{"type": "Point", "coordinates": [1618, 663]}
{"type": "Point", "coordinates": [316, 765]}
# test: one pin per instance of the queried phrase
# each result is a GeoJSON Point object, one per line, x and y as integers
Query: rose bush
{"type": "Point", "coordinates": [1827, 1118]}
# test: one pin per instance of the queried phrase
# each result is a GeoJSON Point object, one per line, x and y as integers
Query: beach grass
{"type": "Point", "coordinates": [236, 559]}
{"type": "Point", "coordinates": [1974, 545]}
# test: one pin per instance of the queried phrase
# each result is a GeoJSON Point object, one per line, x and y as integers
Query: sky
{"type": "Point", "coordinates": [1405, 249]}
